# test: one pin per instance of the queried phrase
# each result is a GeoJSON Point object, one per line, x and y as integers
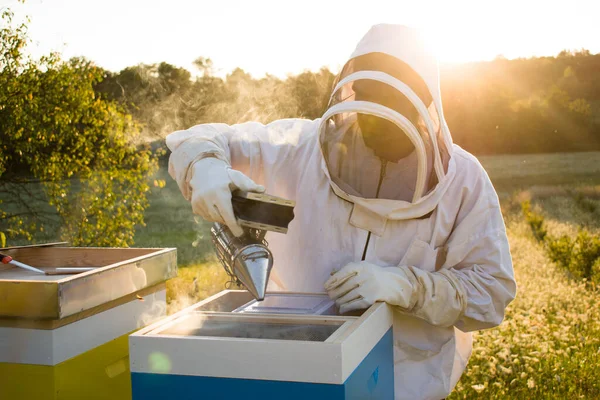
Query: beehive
{"type": "Point", "coordinates": [65, 336]}
{"type": "Point", "coordinates": [208, 351]}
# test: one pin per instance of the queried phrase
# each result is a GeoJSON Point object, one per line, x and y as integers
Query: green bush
{"type": "Point", "coordinates": [579, 256]}
{"type": "Point", "coordinates": [596, 272]}
{"type": "Point", "coordinates": [560, 250]}
{"type": "Point", "coordinates": [535, 221]}
{"type": "Point", "coordinates": [69, 164]}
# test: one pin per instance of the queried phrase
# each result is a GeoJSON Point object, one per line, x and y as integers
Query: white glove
{"type": "Point", "coordinates": [436, 297]}
{"type": "Point", "coordinates": [360, 284]}
{"type": "Point", "coordinates": [212, 182]}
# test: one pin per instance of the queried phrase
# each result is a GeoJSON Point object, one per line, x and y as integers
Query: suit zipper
{"type": "Point", "coordinates": [381, 176]}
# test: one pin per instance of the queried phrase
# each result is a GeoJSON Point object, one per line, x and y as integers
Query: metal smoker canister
{"type": "Point", "coordinates": [246, 259]}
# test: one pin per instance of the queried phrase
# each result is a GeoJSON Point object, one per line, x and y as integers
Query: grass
{"type": "Point", "coordinates": [511, 173]}
{"type": "Point", "coordinates": [549, 343]}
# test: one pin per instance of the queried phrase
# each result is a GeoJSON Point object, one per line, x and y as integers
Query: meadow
{"type": "Point", "coordinates": [549, 343]}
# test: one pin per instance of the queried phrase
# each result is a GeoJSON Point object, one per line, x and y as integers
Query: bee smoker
{"type": "Point", "coordinates": [247, 259]}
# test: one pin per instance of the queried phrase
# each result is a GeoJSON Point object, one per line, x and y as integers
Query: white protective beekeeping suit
{"type": "Point", "coordinates": [434, 212]}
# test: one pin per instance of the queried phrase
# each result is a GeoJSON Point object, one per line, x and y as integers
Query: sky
{"type": "Point", "coordinates": [288, 36]}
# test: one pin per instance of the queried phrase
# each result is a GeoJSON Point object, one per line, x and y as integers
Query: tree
{"type": "Point", "coordinates": [68, 162]}
{"type": "Point", "coordinates": [312, 91]}
{"type": "Point", "coordinates": [204, 65]}
{"type": "Point", "coordinates": [541, 104]}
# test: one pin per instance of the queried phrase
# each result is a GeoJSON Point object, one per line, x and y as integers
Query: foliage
{"type": "Point", "coordinates": [536, 105]}
{"type": "Point", "coordinates": [55, 131]}
{"type": "Point", "coordinates": [580, 256]}
{"type": "Point", "coordinates": [164, 98]}
{"type": "Point", "coordinates": [547, 346]}
{"type": "Point", "coordinates": [194, 284]}
{"type": "Point", "coordinates": [560, 251]}
{"type": "Point", "coordinates": [535, 221]}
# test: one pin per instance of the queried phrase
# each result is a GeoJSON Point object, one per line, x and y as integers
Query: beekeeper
{"type": "Point", "coordinates": [383, 197]}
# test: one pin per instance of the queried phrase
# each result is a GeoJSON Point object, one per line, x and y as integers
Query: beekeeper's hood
{"type": "Point", "coordinates": [385, 120]}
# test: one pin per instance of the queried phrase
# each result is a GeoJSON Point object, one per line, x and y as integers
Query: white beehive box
{"type": "Point", "coordinates": [210, 351]}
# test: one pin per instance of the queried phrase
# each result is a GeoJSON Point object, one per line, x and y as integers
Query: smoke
{"type": "Point", "coordinates": [180, 302]}
{"type": "Point", "coordinates": [157, 311]}
{"type": "Point", "coordinates": [237, 98]}
{"type": "Point", "coordinates": [195, 283]}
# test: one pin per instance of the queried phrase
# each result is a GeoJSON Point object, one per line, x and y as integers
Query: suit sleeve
{"type": "Point", "coordinates": [271, 155]}
{"type": "Point", "coordinates": [479, 257]}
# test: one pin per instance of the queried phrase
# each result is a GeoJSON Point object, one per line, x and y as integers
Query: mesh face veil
{"type": "Point", "coordinates": [382, 119]}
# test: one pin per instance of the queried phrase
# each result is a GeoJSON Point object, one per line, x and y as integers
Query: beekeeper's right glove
{"type": "Point", "coordinates": [212, 182]}
{"type": "Point", "coordinates": [436, 297]}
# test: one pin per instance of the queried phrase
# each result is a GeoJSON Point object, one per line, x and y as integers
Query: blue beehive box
{"type": "Point", "coordinates": [229, 347]}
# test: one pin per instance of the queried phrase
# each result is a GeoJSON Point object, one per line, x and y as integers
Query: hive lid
{"type": "Point", "coordinates": [117, 273]}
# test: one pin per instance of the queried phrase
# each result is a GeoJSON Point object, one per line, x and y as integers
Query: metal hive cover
{"type": "Point", "coordinates": [285, 303]}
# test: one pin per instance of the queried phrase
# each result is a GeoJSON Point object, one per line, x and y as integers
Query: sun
{"type": "Point", "coordinates": [458, 44]}
{"type": "Point", "coordinates": [460, 35]}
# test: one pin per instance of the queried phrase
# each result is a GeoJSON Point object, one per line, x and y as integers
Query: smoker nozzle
{"type": "Point", "coordinates": [246, 259]}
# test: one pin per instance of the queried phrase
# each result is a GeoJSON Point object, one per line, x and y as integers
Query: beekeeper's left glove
{"type": "Point", "coordinates": [436, 297]}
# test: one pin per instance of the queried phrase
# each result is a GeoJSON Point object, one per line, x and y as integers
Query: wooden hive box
{"type": "Point", "coordinates": [65, 336]}
{"type": "Point", "coordinates": [207, 351]}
